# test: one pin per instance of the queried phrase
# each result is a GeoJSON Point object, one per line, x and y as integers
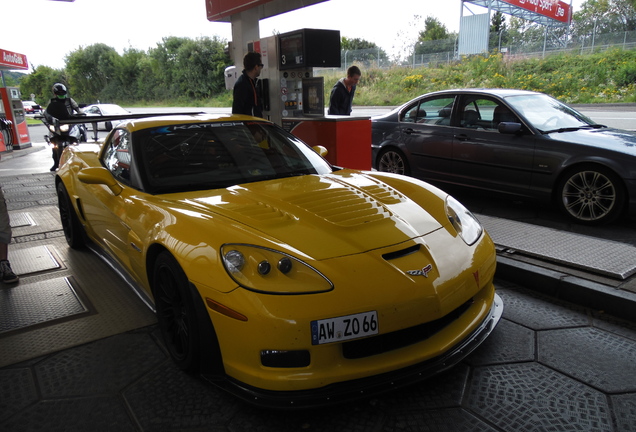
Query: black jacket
{"type": "Point", "coordinates": [247, 96]}
{"type": "Point", "coordinates": [341, 100]}
{"type": "Point", "coordinates": [62, 109]}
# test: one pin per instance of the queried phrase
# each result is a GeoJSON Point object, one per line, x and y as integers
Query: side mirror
{"type": "Point", "coordinates": [509, 128]}
{"type": "Point", "coordinates": [99, 176]}
{"type": "Point", "coordinates": [322, 151]}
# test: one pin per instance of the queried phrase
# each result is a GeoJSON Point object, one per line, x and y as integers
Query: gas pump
{"type": "Point", "coordinates": [290, 89]}
{"type": "Point", "coordinates": [17, 131]}
{"type": "Point", "coordinates": [295, 99]}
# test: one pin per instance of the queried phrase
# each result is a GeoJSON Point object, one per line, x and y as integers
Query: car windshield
{"type": "Point", "coordinates": [198, 156]}
{"type": "Point", "coordinates": [548, 114]}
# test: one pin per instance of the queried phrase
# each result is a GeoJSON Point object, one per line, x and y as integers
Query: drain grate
{"type": "Point", "coordinates": [37, 303]}
{"type": "Point", "coordinates": [33, 260]}
{"type": "Point", "coordinates": [21, 220]}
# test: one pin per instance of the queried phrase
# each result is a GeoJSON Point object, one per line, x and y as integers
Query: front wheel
{"type": "Point", "coordinates": [393, 161]}
{"type": "Point", "coordinates": [73, 229]}
{"type": "Point", "coordinates": [591, 195]}
{"type": "Point", "coordinates": [176, 312]}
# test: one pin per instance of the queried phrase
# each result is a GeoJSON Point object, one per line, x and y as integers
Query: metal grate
{"type": "Point", "coordinates": [603, 257]}
{"type": "Point", "coordinates": [36, 303]}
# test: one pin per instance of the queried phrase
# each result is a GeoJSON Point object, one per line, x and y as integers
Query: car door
{"type": "Point", "coordinates": [485, 158]}
{"type": "Point", "coordinates": [107, 211]}
{"type": "Point", "coordinates": [427, 135]}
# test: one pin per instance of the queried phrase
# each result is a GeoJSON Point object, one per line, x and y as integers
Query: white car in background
{"type": "Point", "coordinates": [105, 110]}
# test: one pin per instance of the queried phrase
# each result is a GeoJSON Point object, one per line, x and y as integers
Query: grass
{"type": "Point", "coordinates": [609, 76]}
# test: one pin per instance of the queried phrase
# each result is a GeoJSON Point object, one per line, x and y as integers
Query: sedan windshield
{"type": "Point", "coordinates": [548, 114]}
{"type": "Point", "coordinates": [197, 156]}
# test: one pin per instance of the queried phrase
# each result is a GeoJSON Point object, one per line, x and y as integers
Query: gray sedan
{"type": "Point", "coordinates": [517, 142]}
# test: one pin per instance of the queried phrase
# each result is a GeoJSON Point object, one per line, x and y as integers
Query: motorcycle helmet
{"type": "Point", "coordinates": [59, 89]}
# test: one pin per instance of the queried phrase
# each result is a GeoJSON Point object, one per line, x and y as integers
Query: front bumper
{"type": "Point", "coordinates": [360, 388]}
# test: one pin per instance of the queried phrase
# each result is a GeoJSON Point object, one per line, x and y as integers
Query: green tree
{"type": "Point", "coordinates": [186, 68]}
{"type": "Point", "coordinates": [435, 38]}
{"type": "Point", "coordinates": [603, 16]}
{"type": "Point", "coordinates": [124, 87]}
{"type": "Point", "coordinates": [361, 51]}
{"type": "Point", "coordinates": [200, 67]}
{"type": "Point", "coordinates": [40, 82]}
{"type": "Point", "coordinates": [525, 36]}
{"type": "Point", "coordinates": [433, 30]}
{"type": "Point", "coordinates": [90, 70]}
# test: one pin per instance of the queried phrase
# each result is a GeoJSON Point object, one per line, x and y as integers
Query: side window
{"type": "Point", "coordinates": [435, 111]}
{"type": "Point", "coordinates": [485, 114]}
{"type": "Point", "coordinates": [117, 157]}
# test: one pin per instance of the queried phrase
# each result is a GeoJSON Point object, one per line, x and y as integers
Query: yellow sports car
{"type": "Point", "coordinates": [275, 275]}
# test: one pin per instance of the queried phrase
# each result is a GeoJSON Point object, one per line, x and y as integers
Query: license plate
{"type": "Point", "coordinates": [344, 328]}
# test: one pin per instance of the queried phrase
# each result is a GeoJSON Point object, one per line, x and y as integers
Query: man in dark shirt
{"type": "Point", "coordinates": [341, 99]}
{"type": "Point", "coordinates": [247, 97]}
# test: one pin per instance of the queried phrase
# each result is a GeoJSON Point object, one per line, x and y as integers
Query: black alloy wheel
{"type": "Point", "coordinates": [73, 229]}
{"type": "Point", "coordinates": [176, 312]}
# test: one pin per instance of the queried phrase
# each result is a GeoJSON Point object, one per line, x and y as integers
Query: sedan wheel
{"type": "Point", "coordinates": [175, 312]}
{"type": "Point", "coordinates": [592, 195]}
{"type": "Point", "coordinates": [393, 161]}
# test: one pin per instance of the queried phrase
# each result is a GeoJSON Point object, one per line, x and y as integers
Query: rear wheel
{"type": "Point", "coordinates": [591, 195]}
{"type": "Point", "coordinates": [73, 229]}
{"type": "Point", "coordinates": [176, 312]}
{"type": "Point", "coordinates": [393, 161]}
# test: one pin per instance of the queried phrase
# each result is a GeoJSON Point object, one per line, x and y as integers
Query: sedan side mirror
{"type": "Point", "coordinates": [509, 128]}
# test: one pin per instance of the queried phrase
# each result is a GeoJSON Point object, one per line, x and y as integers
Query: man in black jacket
{"type": "Point", "coordinates": [247, 97]}
{"type": "Point", "coordinates": [341, 99]}
{"type": "Point", "coordinates": [61, 107]}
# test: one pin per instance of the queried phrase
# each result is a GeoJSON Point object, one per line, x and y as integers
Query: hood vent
{"type": "Point", "coordinates": [343, 206]}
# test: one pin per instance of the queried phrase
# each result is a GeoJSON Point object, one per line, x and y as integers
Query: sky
{"type": "Point", "coordinates": [47, 31]}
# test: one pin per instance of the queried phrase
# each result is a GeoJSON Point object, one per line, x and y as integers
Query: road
{"type": "Point", "coordinates": [621, 116]}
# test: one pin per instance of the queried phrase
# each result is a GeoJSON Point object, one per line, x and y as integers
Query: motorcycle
{"type": "Point", "coordinates": [62, 135]}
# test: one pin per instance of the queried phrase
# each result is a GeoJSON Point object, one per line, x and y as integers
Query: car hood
{"type": "Point", "coordinates": [606, 138]}
{"type": "Point", "coordinates": [325, 216]}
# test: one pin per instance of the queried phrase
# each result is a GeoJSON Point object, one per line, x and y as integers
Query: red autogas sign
{"type": "Point", "coordinates": [554, 9]}
{"type": "Point", "coordinates": [11, 60]}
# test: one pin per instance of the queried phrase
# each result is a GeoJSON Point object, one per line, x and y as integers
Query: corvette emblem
{"type": "Point", "coordinates": [424, 272]}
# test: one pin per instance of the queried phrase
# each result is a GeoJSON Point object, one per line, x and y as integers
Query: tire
{"type": "Point", "coordinates": [73, 229]}
{"type": "Point", "coordinates": [83, 135]}
{"type": "Point", "coordinates": [591, 195]}
{"type": "Point", "coordinates": [108, 126]}
{"type": "Point", "coordinates": [393, 161]}
{"type": "Point", "coordinates": [176, 312]}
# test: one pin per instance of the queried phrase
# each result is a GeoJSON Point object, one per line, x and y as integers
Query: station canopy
{"type": "Point", "coordinates": [550, 13]}
{"type": "Point", "coordinates": [222, 10]}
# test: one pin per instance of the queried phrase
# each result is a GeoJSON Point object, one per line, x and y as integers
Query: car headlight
{"type": "Point", "coordinates": [464, 222]}
{"type": "Point", "coordinates": [266, 270]}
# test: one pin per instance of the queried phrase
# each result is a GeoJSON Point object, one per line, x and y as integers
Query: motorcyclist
{"type": "Point", "coordinates": [61, 107]}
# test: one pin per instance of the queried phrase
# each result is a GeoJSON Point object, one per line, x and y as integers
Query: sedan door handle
{"type": "Point", "coordinates": [410, 131]}
{"type": "Point", "coordinates": [462, 137]}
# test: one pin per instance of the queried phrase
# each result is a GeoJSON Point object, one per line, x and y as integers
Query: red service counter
{"type": "Point", "coordinates": [347, 139]}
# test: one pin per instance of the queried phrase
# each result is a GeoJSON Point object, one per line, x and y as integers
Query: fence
{"type": "Point", "coordinates": [429, 56]}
